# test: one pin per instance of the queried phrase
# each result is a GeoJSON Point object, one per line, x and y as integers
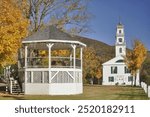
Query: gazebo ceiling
{"type": "Point", "coordinates": [43, 46]}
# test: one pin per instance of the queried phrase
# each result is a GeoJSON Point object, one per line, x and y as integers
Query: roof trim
{"type": "Point", "coordinates": [56, 41]}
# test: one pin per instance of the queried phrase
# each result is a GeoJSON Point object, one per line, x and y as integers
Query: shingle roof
{"type": "Point", "coordinates": [48, 33]}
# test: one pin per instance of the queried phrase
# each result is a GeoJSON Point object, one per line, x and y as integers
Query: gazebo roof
{"type": "Point", "coordinates": [53, 35]}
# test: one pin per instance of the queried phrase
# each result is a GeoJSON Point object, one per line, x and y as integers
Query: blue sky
{"type": "Point", "coordinates": [135, 16]}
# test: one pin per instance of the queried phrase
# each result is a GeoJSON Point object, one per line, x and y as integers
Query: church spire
{"type": "Point", "coordinates": [119, 21]}
{"type": "Point", "coordinates": [120, 41]}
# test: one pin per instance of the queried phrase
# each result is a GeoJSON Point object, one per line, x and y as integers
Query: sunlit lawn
{"type": "Point", "coordinates": [94, 92]}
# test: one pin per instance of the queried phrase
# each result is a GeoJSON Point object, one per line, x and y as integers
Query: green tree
{"type": "Point", "coordinates": [135, 58]}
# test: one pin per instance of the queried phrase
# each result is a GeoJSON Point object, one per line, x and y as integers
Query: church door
{"type": "Point", "coordinates": [120, 79]}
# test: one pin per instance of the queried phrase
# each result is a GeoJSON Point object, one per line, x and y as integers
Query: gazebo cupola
{"type": "Point", "coordinates": [43, 71]}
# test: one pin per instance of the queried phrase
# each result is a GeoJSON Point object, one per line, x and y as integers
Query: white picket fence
{"type": "Point", "coordinates": [146, 88]}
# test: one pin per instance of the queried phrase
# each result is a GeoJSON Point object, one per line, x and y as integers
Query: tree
{"type": "Point", "coordinates": [13, 28]}
{"type": "Point", "coordinates": [67, 15]}
{"type": "Point", "coordinates": [98, 74]}
{"type": "Point", "coordinates": [135, 58]}
{"type": "Point", "coordinates": [145, 72]}
{"type": "Point", "coordinates": [91, 64]}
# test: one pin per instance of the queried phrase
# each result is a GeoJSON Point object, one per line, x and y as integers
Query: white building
{"type": "Point", "coordinates": [115, 70]}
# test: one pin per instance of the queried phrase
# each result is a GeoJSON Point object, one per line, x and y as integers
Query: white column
{"type": "Point", "coordinates": [137, 78]}
{"type": "Point", "coordinates": [26, 55]}
{"type": "Point", "coordinates": [81, 59]}
{"type": "Point", "coordinates": [70, 60]}
{"type": "Point", "coordinates": [74, 56]}
{"type": "Point", "coordinates": [10, 86]}
{"type": "Point", "coordinates": [49, 58]}
{"type": "Point", "coordinates": [74, 59]}
{"type": "Point", "coordinates": [149, 91]}
{"type": "Point", "coordinates": [42, 76]}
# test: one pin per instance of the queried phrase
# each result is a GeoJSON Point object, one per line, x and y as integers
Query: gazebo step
{"type": "Point", "coordinates": [15, 87]}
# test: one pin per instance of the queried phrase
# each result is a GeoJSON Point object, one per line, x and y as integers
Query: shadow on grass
{"type": "Point", "coordinates": [12, 97]}
{"type": "Point", "coordinates": [132, 96]}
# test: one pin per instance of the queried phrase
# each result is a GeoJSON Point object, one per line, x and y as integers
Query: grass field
{"type": "Point", "coordinates": [94, 92]}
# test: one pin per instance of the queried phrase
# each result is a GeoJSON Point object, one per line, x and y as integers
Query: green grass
{"type": "Point", "coordinates": [94, 92]}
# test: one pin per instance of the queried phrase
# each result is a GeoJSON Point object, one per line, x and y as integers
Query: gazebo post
{"type": "Point", "coordinates": [74, 59]}
{"type": "Point", "coordinates": [70, 60]}
{"type": "Point", "coordinates": [49, 59]}
{"type": "Point", "coordinates": [26, 57]}
{"type": "Point", "coordinates": [81, 59]}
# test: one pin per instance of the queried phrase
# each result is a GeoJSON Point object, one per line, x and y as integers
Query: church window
{"type": "Point", "coordinates": [127, 70]}
{"type": "Point", "coordinates": [120, 61]}
{"type": "Point", "coordinates": [113, 70]}
{"type": "Point", "coordinates": [119, 31]}
{"type": "Point", "coordinates": [111, 79]}
{"type": "Point", "coordinates": [120, 50]}
{"type": "Point", "coordinates": [120, 39]}
{"type": "Point", "coordinates": [130, 78]}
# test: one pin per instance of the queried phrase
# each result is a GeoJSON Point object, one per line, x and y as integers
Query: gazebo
{"type": "Point", "coordinates": [41, 72]}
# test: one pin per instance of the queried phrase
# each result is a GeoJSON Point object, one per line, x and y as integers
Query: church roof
{"type": "Point", "coordinates": [119, 60]}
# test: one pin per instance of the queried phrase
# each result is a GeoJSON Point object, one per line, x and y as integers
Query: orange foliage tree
{"type": "Point", "coordinates": [135, 58]}
{"type": "Point", "coordinates": [13, 28]}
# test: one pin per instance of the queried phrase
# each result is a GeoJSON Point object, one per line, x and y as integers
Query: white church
{"type": "Point", "coordinates": [115, 71]}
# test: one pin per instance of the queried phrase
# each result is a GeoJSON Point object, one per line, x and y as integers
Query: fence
{"type": "Point", "coordinates": [146, 88]}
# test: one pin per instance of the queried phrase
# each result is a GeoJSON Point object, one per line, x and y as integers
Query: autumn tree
{"type": "Point", "coordinates": [67, 15]}
{"type": "Point", "coordinates": [98, 74]}
{"type": "Point", "coordinates": [13, 28]}
{"type": "Point", "coordinates": [91, 64]}
{"type": "Point", "coordinates": [135, 58]}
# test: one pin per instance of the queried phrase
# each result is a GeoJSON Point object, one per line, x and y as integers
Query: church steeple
{"type": "Point", "coordinates": [120, 41]}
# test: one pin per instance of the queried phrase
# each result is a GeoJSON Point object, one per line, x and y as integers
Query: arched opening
{"type": "Point", "coordinates": [120, 39]}
{"type": "Point", "coordinates": [120, 50]}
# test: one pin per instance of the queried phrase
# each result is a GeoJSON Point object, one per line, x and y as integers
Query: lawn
{"type": "Point", "coordinates": [94, 92]}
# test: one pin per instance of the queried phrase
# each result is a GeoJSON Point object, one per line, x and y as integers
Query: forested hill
{"type": "Point", "coordinates": [103, 50]}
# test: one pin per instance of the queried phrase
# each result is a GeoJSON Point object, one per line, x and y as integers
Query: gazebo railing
{"type": "Point", "coordinates": [56, 62]}
{"type": "Point", "coordinates": [57, 76]}
{"type": "Point", "coordinates": [37, 62]}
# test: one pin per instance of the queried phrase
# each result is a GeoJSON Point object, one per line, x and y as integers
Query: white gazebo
{"type": "Point", "coordinates": [50, 75]}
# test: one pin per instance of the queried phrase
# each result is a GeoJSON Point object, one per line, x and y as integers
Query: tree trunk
{"type": "Point", "coordinates": [132, 81]}
{"type": "Point", "coordinates": [135, 80]}
{"type": "Point", "coordinates": [98, 81]}
{"type": "Point", "coordinates": [91, 81]}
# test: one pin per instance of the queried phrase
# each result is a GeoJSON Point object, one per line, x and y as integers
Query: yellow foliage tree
{"type": "Point", "coordinates": [99, 74]}
{"type": "Point", "coordinates": [91, 64]}
{"type": "Point", "coordinates": [62, 53]}
{"type": "Point", "coordinates": [135, 58]}
{"type": "Point", "coordinates": [13, 28]}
